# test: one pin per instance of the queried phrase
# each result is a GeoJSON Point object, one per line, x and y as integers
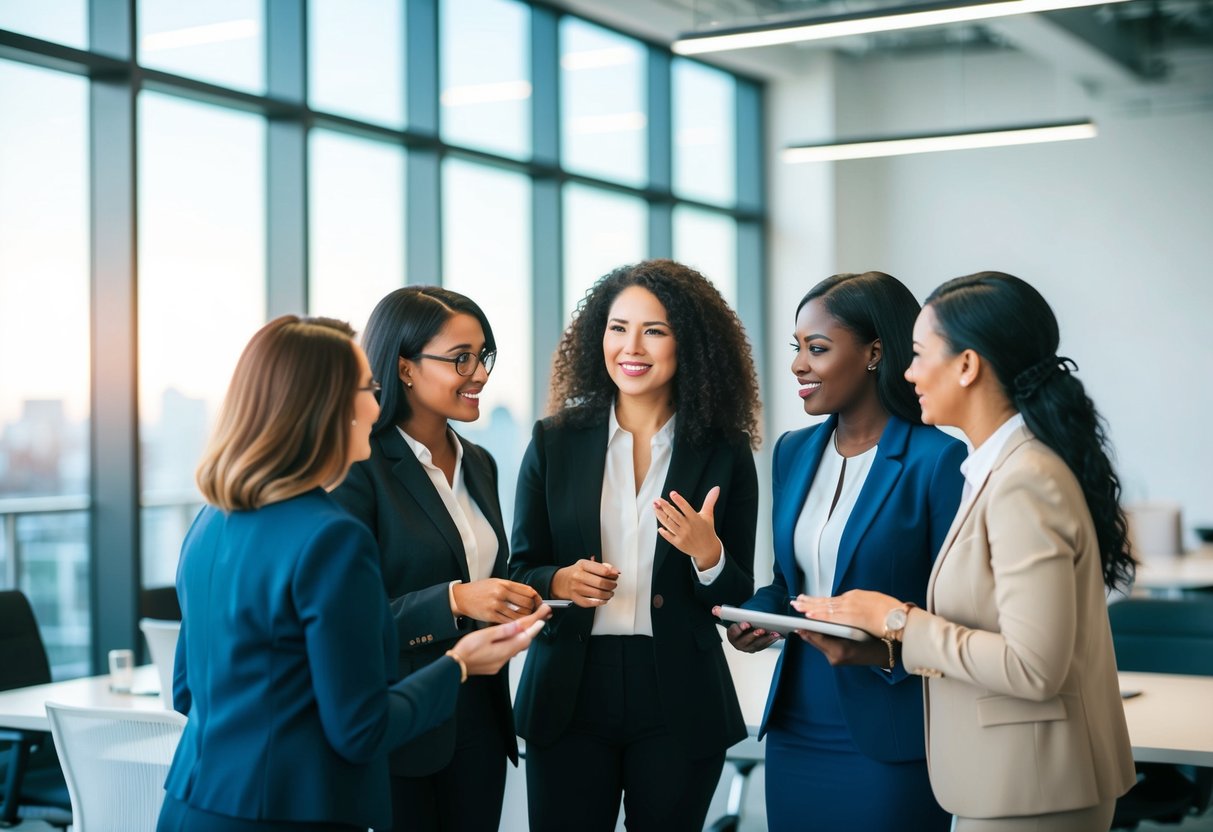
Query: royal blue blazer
{"type": "Point", "coordinates": [286, 650]}
{"type": "Point", "coordinates": [888, 545]}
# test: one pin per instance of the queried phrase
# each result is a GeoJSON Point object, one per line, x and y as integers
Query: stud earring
{"type": "Point", "coordinates": [409, 384]}
{"type": "Point", "coordinates": [872, 367]}
{"type": "Point", "coordinates": [354, 422]}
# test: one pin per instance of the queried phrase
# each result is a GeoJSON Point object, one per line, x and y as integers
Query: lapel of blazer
{"type": "Point", "coordinates": [795, 492]}
{"type": "Point", "coordinates": [686, 467]}
{"type": "Point", "coordinates": [407, 469]}
{"type": "Point", "coordinates": [1013, 441]}
{"type": "Point", "coordinates": [586, 462]}
{"type": "Point", "coordinates": [477, 476]}
{"type": "Point", "coordinates": [885, 471]}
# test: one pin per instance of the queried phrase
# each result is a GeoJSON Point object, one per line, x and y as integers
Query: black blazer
{"type": "Point", "coordinates": [556, 523]}
{"type": "Point", "coordinates": [420, 553]}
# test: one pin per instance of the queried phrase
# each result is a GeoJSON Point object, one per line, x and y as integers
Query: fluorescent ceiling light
{"type": "Point", "coordinates": [902, 145]}
{"type": "Point", "coordinates": [864, 23]}
{"type": "Point", "coordinates": [228, 30]}
{"type": "Point", "coordinates": [486, 93]}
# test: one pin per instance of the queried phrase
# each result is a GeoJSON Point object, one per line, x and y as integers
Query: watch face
{"type": "Point", "coordinates": [895, 620]}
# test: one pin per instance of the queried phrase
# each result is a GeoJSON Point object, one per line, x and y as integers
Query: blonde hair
{"type": "Point", "coordinates": [283, 427]}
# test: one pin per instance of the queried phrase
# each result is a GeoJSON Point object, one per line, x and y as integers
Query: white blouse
{"type": "Point", "coordinates": [629, 531]}
{"type": "Point", "coordinates": [818, 532]}
{"type": "Point", "coordinates": [476, 532]}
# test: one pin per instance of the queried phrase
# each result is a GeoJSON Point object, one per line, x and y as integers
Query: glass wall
{"type": "Point", "coordinates": [44, 352]}
{"type": "Point", "coordinates": [356, 218]}
{"type": "Point", "coordinates": [201, 294]}
{"type": "Point", "coordinates": [263, 159]}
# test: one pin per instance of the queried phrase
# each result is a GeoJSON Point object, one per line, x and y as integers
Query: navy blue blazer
{"type": "Point", "coordinates": [283, 662]}
{"type": "Point", "coordinates": [557, 522]}
{"type": "Point", "coordinates": [420, 553]}
{"type": "Point", "coordinates": [888, 545]}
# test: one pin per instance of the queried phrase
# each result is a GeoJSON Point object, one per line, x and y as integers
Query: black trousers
{"type": "Point", "coordinates": [618, 744]}
{"type": "Point", "coordinates": [465, 795]}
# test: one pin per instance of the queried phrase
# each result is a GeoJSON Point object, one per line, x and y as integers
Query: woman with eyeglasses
{"type": "Point", "coordinates": [287, 643]}
{"type": "Point", "coordinates": [430, 498]}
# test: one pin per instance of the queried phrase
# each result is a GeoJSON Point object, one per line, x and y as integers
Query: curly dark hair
{"type": "Point", "coordinates": [715, 388]}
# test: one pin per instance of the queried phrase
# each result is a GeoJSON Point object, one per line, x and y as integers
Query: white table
{"type": "Point", "coordinates": [1170, 722]}
{"type": "Point", "coordinates": [1171, 574]}
{"type": "Point", "coordinates": [25, 708]}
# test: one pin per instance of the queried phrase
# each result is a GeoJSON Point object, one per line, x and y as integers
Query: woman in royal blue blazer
{"type": "Point", "coordinates": [287, 645]}
{"type": "Point", "coordinates": [863, 499]}
{"type": "Point", "coordinates": [655, 400]}
{"type": "Point", "coordinates": [430, 498]}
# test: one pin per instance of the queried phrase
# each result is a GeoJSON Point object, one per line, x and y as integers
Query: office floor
{"type": "Point", "coordinates": [754, 817]}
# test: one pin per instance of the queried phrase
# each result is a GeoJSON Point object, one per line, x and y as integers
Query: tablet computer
{"type": "Point", "coordinates": [785, 624]}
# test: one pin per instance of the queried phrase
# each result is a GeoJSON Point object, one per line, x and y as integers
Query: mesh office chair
{"type": "Point", "coordinates": [115, 762]}
{"type": "Point", "coordinates": [31, 784]}
{"type": "Point", "coordinates": [1164, 636]}
{"type": "Point", "coordinates": [162, 645]}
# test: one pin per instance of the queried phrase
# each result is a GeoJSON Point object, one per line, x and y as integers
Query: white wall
{"type": "Point", "coordinates": [1116, 232]}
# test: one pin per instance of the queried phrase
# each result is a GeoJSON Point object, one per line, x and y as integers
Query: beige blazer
{"type": "Point", "coordinates": [1023, 709]}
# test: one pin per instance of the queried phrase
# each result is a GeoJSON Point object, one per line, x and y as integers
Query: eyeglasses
{"type": "Point", "coordinates": [373, 387]}
{"type": "Point", "coordinates": [465, 363]}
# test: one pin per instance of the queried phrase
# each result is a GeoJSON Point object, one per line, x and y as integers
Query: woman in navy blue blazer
{"type": "Point", "coordinates": [287, 645]}
{"type": "Point", "coordinates": [863, 499]}
{"type": "Point", "coordinates": [430, 498]}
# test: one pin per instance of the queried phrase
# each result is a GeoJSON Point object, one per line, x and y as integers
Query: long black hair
{"type": "Point", "coordinates": [715, 388]}
{"type": "Point", "coordinates": [875, 305]}
{"type": "Point", "coordinates": [400, 327]}
{"type": "Point", "coordinates": [1010, 325]}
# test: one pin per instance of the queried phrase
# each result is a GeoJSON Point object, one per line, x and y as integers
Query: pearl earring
{"type": "Point", "coordinates": [409, 384]}
{"type": "Point", "coordinates": [354, 422]}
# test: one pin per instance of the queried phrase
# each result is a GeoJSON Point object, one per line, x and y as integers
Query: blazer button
{"type": "Point", "coordinates": [658, 601]}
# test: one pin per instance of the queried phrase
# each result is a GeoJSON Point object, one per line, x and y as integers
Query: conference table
{"type": "Point", "coordinates": [1170, 721]}
{"type": "Point", "coordinates": [1170, 575]}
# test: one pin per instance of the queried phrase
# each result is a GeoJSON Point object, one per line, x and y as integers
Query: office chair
{"type": "Point", "coordinates": [115, 761]}
{"type": "Point", "coordinates": [160, 603]}
{"type": "Point", "coordinates": [162, 645]}
{"type": "Point", "coordinates": [30, 778]}
{"type": "Point", "coordinates": [1164, 636]}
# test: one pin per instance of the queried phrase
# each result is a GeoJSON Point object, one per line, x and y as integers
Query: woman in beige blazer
{"type": "Point", "coordinates": [1025, 729]}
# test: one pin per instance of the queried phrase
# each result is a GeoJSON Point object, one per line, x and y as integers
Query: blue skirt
{"type": "Point", "coordinates": [816, 779]}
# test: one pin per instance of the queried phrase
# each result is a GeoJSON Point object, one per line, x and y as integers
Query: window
{"type": "Point", "coordinates": [485, 78]}
{"type": "Point", "coordinates": [603, 129]}
{"type": "Point", "coordinates": [44, 353]}
{"type": "Point", "coordinates": [201, 296]}
{"type": "Point", "coordinates": [436, 144]}
{"type": "Point", "coordinates": [486, 253]}
{"type": "Point", "coordinates": [63, 21]}
{"type": "Point", "coordinates": [602, 230]}
{"type": "Point", "coordinates": [704, 102]}
{"type": "Point", "coordinates": [707, 241]}
{"type": "Point", "coordinates": [356, 52]}
{"type": "Point", "coordinates": [357, 225]}
{"type": "Point", "coordinates": [219, 41]}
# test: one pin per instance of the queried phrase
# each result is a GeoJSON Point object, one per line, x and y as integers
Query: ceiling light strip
{"type": "Point", "coordinates": [864, 23]}
{"type": "Point", "coordinates": [903, 145]}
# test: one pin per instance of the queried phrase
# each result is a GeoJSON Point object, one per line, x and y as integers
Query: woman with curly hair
{"type": "Point", "coordinates": [654, 414]}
